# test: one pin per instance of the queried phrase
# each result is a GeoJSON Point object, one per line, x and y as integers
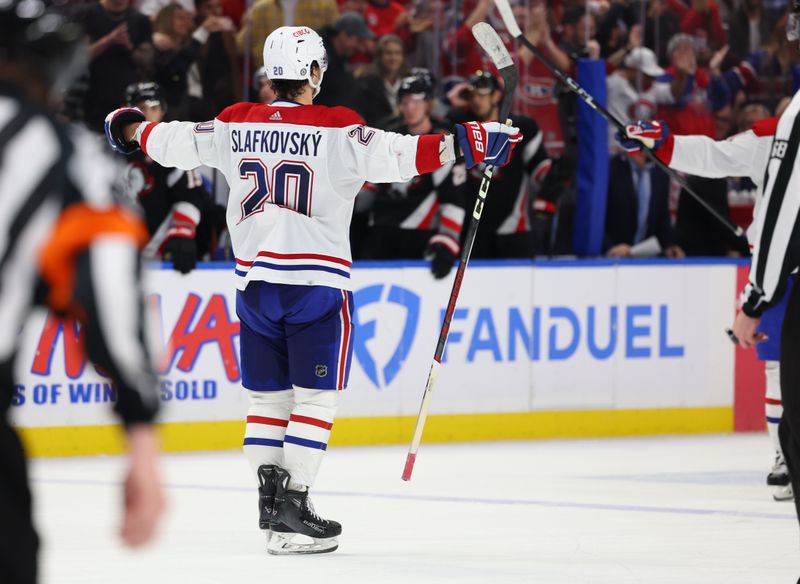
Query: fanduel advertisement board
{"type": "Point", "coordinates": [558, 336]}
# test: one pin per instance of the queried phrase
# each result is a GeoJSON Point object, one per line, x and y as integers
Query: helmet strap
{"type": "Point", "coordinates": [315, 86]}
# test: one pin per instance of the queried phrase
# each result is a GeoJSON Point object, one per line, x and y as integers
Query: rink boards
{"type": "Point", "coordinates": [550, 349]}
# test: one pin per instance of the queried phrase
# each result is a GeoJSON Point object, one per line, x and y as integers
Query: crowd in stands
{"type": "Point", "coordinates": [711, 67]}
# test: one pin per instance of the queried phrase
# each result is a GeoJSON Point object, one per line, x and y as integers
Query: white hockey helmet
{"type": "Point", "coordinates": [289, 52]}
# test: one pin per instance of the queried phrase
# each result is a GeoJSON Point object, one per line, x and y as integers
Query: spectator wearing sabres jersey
{"type": "Point", "coordinates": [295, 169]}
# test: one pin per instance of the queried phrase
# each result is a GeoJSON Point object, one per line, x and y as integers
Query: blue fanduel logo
{"type": "Point", "coordinates": [557, 333]}
{"type": "Point", "coordinates": [366, 330]}
{"type": "Point", "coordinates": [489, 334]}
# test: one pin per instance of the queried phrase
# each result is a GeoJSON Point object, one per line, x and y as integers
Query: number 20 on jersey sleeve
{"type": "Point", "coordinates": [289, 184]}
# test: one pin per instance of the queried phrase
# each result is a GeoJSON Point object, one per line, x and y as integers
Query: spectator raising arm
{"type": "Point", "coordinates": [634, 41]}
{"type": "Point", "coordinates": [538, 32]}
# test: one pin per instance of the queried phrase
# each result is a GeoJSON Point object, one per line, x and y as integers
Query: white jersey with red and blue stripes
{"type": "Point", "coordinates": [294, 172]}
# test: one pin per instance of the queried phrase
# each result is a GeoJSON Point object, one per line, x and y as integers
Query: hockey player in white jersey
{"type": "Point", "coordinates": [744, 155]}
{"type": "Point", "coordinates": [294, 170]}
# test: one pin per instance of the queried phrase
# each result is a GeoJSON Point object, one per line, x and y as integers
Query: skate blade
{"type": "Point", "coordinates": [283, 544]}
{"type": "Point", "coordinates": [783, 493]}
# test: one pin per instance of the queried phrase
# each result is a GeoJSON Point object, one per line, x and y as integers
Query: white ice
{"type": "Point", "coordinates": [677, 510]}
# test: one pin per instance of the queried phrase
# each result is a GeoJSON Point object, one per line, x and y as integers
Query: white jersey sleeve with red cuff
{"type": "Point", "coordinates": [744, 154]}
{"type": "Point", "coordinates": [383, 157]}
{"type": "Point", "coordinates": [185, 145]}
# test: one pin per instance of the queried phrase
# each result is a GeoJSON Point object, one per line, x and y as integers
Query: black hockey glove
{"type": "Point", "coordinates": [115, 121]}
{"type": "Point", "coordinates": [442, 259]}
{"type": "Point", "coordinates": [182, 252]}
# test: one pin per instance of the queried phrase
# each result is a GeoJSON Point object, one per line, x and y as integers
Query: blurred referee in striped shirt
{"type": "Point", "coordinates": [776, 254]}
{"type": "Point", "coordinates": [65, 243]}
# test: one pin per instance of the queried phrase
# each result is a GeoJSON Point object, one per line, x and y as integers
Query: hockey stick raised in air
{"type": "Point", "coordinates": [487, 38]}
{"type": "Point", "coordinates": [514, 30]}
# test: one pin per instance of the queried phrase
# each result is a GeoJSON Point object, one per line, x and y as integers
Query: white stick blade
{"type": "Point", "coordinates": [508, 17]}
{"type": "Point", "coordinates": [491, 42]}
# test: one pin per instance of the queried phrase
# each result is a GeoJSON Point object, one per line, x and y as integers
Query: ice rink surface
{"type": "Point", "coordinates": [676, 510]}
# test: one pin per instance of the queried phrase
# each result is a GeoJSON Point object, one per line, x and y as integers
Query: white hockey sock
{"type": "Point", "coordinates": [773, 405]}
{"type": "Point", "coordinates": [307, 434]}
{"type": "Point", "coordinates": [267, 419]}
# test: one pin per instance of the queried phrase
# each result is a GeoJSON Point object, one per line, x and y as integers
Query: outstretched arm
{"type": "Point", "coordinates": [185, 145]}
{"type": "Point", "coordinates": [745, 154]}
{"type": "Point", "coordinates": [380, 156]}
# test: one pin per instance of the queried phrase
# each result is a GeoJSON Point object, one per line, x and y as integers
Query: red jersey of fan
{"type": "Point", "coordinates": [536, 98]}
{"type": "Point", "coordinates": [381, 19]}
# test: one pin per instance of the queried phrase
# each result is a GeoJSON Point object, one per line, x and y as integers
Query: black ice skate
{"type": "Point", "coordinates": [779, 481]}
{"type": "Point", "coordinates": [266, 500]}
{"type": "Point", "coordinates": [296, 528]}
{"type": "Point", "coordinates": [266, 494]}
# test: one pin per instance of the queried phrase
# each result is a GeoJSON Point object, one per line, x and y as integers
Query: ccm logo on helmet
{"type": "Point", "coordinates": [301, 32]}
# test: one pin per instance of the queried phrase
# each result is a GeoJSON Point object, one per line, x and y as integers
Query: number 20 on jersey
{"type": "Point", "coordinates": [288, 184]}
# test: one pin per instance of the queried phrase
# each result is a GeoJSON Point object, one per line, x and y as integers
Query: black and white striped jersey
{"type": "Point", "coordinates": [776, 251]}
{"type": "Point", "coordinates": [67, 243]}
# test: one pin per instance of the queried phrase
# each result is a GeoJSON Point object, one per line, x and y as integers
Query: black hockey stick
{"type": "Point", "coordinates": [488, 38]}
{"type": "Point", "coordinates": [513, 28]}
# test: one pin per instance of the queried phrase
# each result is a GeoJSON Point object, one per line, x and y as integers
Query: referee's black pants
{"type": "Point", "coordinates": [19, 543]}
